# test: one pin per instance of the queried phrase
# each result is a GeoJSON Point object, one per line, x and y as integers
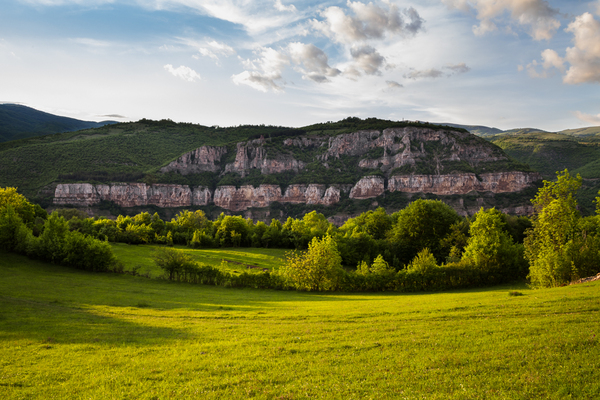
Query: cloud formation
{"type": "Point", "coordinates": [536, 14]}
{"type": "Point", "coordinates": [183, 72]}
{"type": "Point", "coordinates": [266, 70]}
{"type": "Point", "coordinates": [365, 59]}
{"type": "Point", "coordinates": [284, 8]}
{"type": "Point", "coordinates": [591, 119]}
{"type": "Point", "coordinates": [393, 85]}
{"type": "Point", "coordinates": [214, 49]}
{"type": "Point", "coordinates": [369, 21]}
{"type": "Point", "coordinates": [426, 73]}
{"type": "Point", "coordinates": [434, 73]}
{"type": "Point", "coordinates": [460, 68]}
{"type": "Point", "coordinates": [583, 58]}
{"type": "Point", "coordinates": [312, 62]}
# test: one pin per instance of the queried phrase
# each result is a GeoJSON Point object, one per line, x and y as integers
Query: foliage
{"type": "Point", "coordinates": [424, 262]}
{"type": "Point", "coordinates": [549, 243]}
{"type": "Point", "coordinates": [423, 224]}
{"type": "Point", "coordinates": [490, 247]}
{"type": "Point", "coordinates": [317, 269]}
{"type": "Point", "coordinates": [173, 262]}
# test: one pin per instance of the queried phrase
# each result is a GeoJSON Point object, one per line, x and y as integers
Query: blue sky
{"type": "Point", "coordinates": [501, 63]}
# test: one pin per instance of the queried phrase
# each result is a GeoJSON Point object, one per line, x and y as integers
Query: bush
{"type": "Point", "coordinates": [318, 269]}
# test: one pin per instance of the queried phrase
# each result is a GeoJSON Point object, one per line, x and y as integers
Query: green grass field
{"type": "Point", "coordinates": [71, 334]}
{"type": "Point", "coordinates": [237, 259]}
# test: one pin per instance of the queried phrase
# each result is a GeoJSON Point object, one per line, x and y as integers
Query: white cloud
{"type": "Point", "coordinates": [314, 60]}
{"type": "Point", "coordinates": [426, 73]}
{"type": "Point", "coordinates": [91, 42]}
{"type": "Point", "coordinates": [584, 57]}
{"type": "Point", "coordinates": [370, 21]}
{"type": "Point", "coordinates": [267, 69]}
{"type": "Point", "coordinates": [183, 72]}
{"type": "Point", "coordinates": [283, 8]}
{"type": "Point", "coordinates": [460, 68]}
{"type": "Point", "coordinates": [366, 59]}
{"type": "Point", "coordinates": [536, 14]}
{"type": "Point", "coordinates": [591, 119]}
{"type": "Point", "coordinates": [393, 85]}
{"type": "Point", "coordinates": [214, 49]}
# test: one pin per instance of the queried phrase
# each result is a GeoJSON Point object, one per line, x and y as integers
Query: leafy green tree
{"type": "Point", "coordinates": [232, 231]}
{"type": "Point", "coordinates": [423, 224]}
{"type": "Point", "coordinates": [85, 252]}
{"type": "Point", "coordinates": [317, 269]}
{"type": "Point", "coordinates": [51, 243]}
{"type": "Point", "coordinates": [491, 248]}
{"type": "Point", "coordinates": [379, 267]}
{"type": "Point", "coordinates": [10, 223]}
{"type": "Point", "coordinates": [173, 262]}
{"type": "Point", "coordinates": [423, 262]}
{"type": "Point", "coordinates": [20, 205]}
{"type": "Point", "coordinates": [548, 243]}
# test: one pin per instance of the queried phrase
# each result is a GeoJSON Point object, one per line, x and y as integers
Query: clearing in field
{"type": "Point", "coordinates": [71, 334]}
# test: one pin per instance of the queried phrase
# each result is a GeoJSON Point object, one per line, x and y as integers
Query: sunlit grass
{"type": "Point", "coordinates": [72, 334]}
{"type": "Point", "coordinates": [237, 259]}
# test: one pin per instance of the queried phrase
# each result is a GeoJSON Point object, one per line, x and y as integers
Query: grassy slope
{"type": "Point", "coordinates": [588, 132]}
{"type": "Point", "coordinates": [140, 258]}
{"type": "Point", "coordinates": [134, 148]}
{"type": "Point", "coordinates": [71, 334]}
{"type": "Point", "coordinates": [549, 152]}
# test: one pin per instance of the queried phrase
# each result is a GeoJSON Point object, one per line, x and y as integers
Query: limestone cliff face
{"type": "Point", "coordinates": [234, 199]}
{"type": "Point", "coordinates": [368, 187]}
{"type": "Point", "coordinates": [240, 199]}
{"type": "Point", "coordinates": [131, 195]}
{"type": "Point", "coordinates": [76, 194]}
{"type": "Point", "coordinates": [205, 158]}
{"type": "Point", "coordinates": [398, 147]}
{"type": "Point", "coordinates": [253, 155]}
{"type": "Point", "coordinates": [450, 184]}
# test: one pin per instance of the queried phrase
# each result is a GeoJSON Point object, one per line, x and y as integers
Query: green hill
{"type": "Point", "coordinates": [478, 130]}
{"type": "Point", "coordinates": [588, 133]}
{"type": "Point", "coordinates": [19, 122]}
{"type": "Point", "coordinates": [130, 152]}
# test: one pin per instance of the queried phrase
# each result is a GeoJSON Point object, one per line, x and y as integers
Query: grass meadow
{"type": "Point", "coordinates": [237, 260]}
{"type": "Point", "coordinates": [70, 334]}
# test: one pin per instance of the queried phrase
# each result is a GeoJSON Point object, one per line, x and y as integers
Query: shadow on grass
{"type": "Point", "coordinates": [58, 322]}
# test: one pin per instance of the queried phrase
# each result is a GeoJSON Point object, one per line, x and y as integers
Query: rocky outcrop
{"type": "Point", "coordinates": [131, 195]}
{"type": "Point", "coordinates": [253, 155]}
{"type": "Point", "coordinates": [500, 182]}
{"type": "Point", "coordinates": [368, 187]}
{"type": "Point", "coordinates": [76, 194]}
{"type": "Point", "coordinates": [203, 159]}
{"type": "Point", "coordinates": [247, 196]}
{"type": "Point", "coordinates": [234, 199]}
{"type": "Point", "coordinates": [397, 147]}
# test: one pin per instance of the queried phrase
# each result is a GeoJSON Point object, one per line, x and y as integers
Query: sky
{"type": "Point", "coordinates": [500, 63]}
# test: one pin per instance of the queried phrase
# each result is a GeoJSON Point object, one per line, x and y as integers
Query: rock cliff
{"type": "Point", "coordinates": [131, 195]}
{"type": "Point", "coordinates": [408, 159]}
{"type": "Point", "coordinates": [205, 158]}
{"type": "Point", "coordinates": [499, 182]}
{"type": "Point", "coordinates": [253, 155]}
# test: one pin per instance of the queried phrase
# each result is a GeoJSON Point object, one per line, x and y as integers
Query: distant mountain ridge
{"type": "Point", "coordinates": [21, 122]}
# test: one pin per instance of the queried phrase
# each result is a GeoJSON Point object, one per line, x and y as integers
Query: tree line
{"type": "Point", "coordinates": [425, 246]}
